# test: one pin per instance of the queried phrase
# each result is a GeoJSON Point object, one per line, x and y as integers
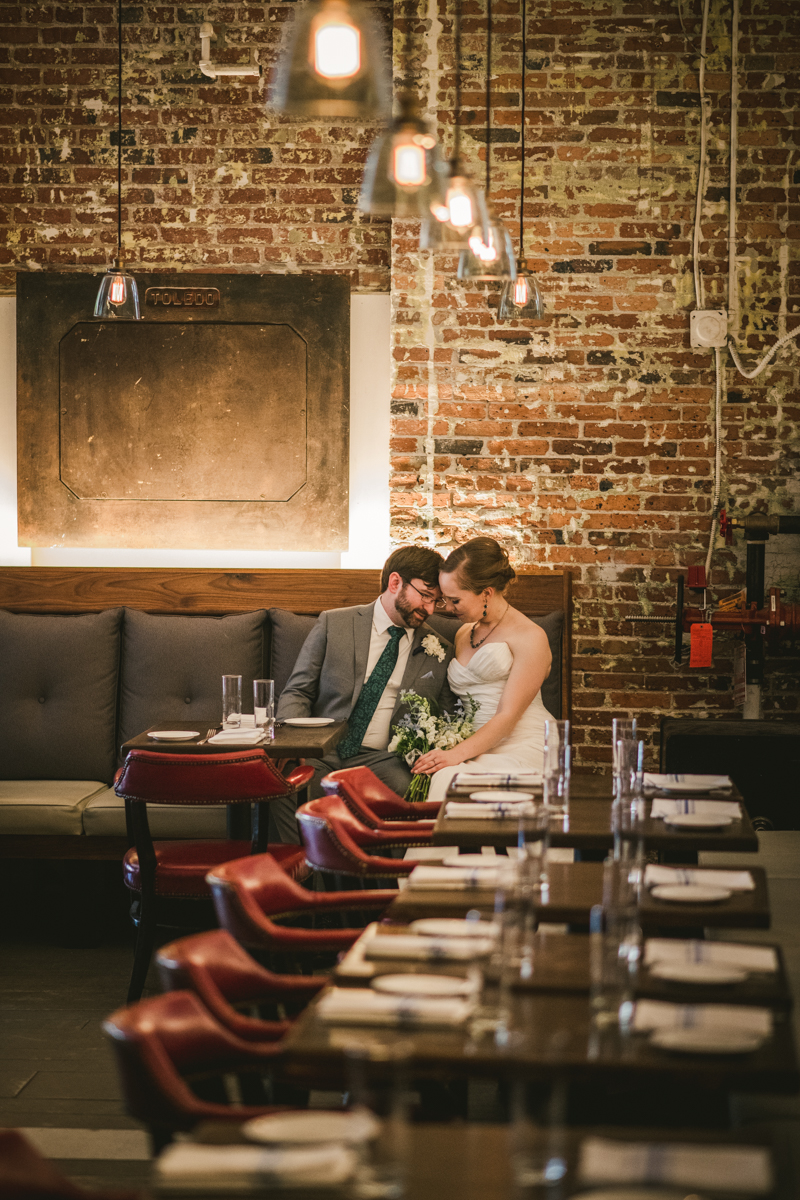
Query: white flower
{"type": "Point", "coordinates": [433, 647]}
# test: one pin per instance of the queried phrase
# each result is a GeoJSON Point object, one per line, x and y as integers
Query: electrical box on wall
{"type": "Point", "coordinates": [708, 327]}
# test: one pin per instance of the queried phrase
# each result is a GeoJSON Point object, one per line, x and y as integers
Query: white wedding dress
{"type": "Point", "coordinates": [484, 678]}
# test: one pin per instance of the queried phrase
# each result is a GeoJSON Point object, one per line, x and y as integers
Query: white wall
{"type": "Point", "coordinates": [369, 465]}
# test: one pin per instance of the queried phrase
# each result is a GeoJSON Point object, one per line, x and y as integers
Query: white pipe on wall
{"type": "Point", "coordinates": [733, 280]}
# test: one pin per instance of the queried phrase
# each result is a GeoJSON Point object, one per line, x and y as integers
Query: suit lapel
{"type": "Point", "coordinates": [362, 632]}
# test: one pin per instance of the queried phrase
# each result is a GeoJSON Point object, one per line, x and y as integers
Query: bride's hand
{"type": "Point", "coordinates": [434, 760]}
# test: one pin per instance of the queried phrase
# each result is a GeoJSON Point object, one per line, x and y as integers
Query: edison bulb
{"type": "Point", "coordinates": [336, 43]}
{"type": "Point", "coordinates": [408, 163]}
{"type": "Point", "coordinates": [118, 290]}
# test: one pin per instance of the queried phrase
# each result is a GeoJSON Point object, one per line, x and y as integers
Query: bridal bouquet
{"type": "Point", "coordinates": [425, 728]}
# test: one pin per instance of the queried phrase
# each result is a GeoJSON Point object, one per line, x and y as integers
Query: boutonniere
{"type": "Point", "coordinates": [433, 647]}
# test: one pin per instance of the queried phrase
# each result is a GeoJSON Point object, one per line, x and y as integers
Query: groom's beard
{"type": "Point", "coordinates": [413, 617]}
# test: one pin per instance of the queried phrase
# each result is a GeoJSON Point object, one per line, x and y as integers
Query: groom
{"type": "Point", "coordinates": [354, 664]}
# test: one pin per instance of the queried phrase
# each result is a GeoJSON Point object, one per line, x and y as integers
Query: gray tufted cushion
{"type": "Point", "coordinates": [172, 667]}
{"type": "Point", "coordinates": [289, 631]}
{"type": "Point", "coordinates": [58, 699]}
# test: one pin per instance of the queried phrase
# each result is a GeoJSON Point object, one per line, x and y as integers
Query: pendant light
{"type": "Point", "coordinates": [489, 255]}
{"type": "Point", "coordinates": [118, 296]}
{"type": "Point", "coordinates": [522, 300]}
{"type": "Point", "coordinates": [333, 64]}
{"type": "Point", "coordinates": [463, 206]}
{"type": "Point", "coordinates": [405, 173]}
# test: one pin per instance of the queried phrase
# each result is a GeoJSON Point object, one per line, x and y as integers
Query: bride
{"type": "Point", "coordinates": [501, 660]}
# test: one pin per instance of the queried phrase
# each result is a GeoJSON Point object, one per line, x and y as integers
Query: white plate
{"type": "Point", "coordinates": [699, 972]}
{"type": "Point", "coordinates": [697, 821]}
{"type": "Point", "coordinates": [707, 1041]}
{"type": "Point", "coordinates": [422, 985]}
{"type": "Point", "coordinates": [692, 783]}
{"type": "Point", "coordinates": [308, 721]}
{"type": "Point", "coordinates": [690, 893]}
{"type": "Point", "coordinates": [174, 735]}
{"type": "Point", "coordinates": [309, 1126]}
{"type": "Point", "coordinates": [490, 861]}
{"type": "Point", "coordinates": [498, 796]}
{"type": "Point", "coordinates": [453, 927]}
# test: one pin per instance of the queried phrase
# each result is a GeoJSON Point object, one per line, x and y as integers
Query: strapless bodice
{"type": "Point", "coordinates": [491, 663]}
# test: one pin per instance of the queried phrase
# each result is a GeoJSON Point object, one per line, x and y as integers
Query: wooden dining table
{"type": "Point", "coordinates": [588, 825]}
{"type": "Point", "coordinates": [290, 741]}
{"type": "Point", "coordinates": [575, 888]}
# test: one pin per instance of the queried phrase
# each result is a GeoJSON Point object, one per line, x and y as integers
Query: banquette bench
{"type": "Point", "coordinates": [90, 657]}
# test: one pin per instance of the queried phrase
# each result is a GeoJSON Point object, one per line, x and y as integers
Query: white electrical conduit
{"type": "Point", "coordinates": [717, 455]}
{"type": "Point", "coordinates": [733, 280]}
{"type": "Point", "coordinates": [701, 169]}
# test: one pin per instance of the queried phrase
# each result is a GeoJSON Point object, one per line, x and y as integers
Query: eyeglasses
{"type": "Point", "coordinates": [426, 596]}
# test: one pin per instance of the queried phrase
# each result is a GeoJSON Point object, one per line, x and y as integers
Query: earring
{"type": "Point", "coordinates": [485, 606]}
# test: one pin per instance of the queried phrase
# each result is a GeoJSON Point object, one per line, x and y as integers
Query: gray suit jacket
{"type": "Point", "coordinates": [329, 672]}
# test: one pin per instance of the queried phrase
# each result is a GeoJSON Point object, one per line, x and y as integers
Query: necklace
{"type": "Point", "coordinates": [475, 644]}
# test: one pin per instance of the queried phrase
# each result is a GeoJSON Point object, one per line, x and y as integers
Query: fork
{"type": "Point", "coordinates": [209, 734]}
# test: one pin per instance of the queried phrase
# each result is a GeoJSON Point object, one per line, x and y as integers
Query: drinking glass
{"type": "Point", "coordinates": [533, 843]}
{"type": "Point", "coordinates": [615, 946]}
{"type": "Point", "coordinates": [557, 767]}
{"type": "Point", "coordinates": [538, 1138]}
{"type": "Point", "coordinates": [264, 705]}
{"type": "Point", "coordinates": [384, 1091]}
{"type": "Point", "coordinates": [231, 701]}
{"type": "Point", "coordinates": [622, 730]}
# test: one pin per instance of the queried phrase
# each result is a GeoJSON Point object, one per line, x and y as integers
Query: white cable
{"type": "Point", "coordinates": [733, 281]}
{"type": "Point", "coordinates": [701, 169]}
{"type": "Point", "coordinates": [717, 456]}
{"type": "Point", "coordinates": [787, 337]}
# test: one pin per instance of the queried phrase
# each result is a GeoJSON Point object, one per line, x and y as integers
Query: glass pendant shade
{"type": "Point", "coordinates": [448, 228]}
{"type": "Point", "coordinates": [489, 255]}
{"type": "Point", "coordinates": [118, 296]}
{"type": "Point", "coordinates": [521, 300]}
{"type": "Point", "coordinates": [332, 65]}
{"type": "Point", "coordinates": [405, 173]}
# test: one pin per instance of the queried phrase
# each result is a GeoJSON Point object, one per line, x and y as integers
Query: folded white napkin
{"type": "Point", "coordinates": [703, 783]}
{"type": "Point", "coordinates": [729, 954]}
{"type": "Point", "coordinates": [701, 808]}
{"type": "Point", "coordinates": [459, 811]}
{"type": "Point", "coordinates": [453, 879]}
{"type": "Point", "coordinates": [735, 881]}
{"type": "Point", "coordinates": [362, 1006]}
{"type": "Point", "coordinates": [237, 737]}
{"type": "Point", "coordinates": [189, 1167]}
{"type": "Point", "coordinates": [467, 781]}
{"type": "Point", "coordinates": [685, 1165]}
{"type": "Point", "coordinates": [420, 948]}
{"type": "Point", "coordinates": [660, 1014]}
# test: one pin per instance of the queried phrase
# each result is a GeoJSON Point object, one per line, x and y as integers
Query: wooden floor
{"type": "Point", "coordinates": [57, 1077]}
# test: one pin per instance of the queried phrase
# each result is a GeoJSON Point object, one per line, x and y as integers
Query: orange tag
{"type": "Point", "coordinates": [700, 653]}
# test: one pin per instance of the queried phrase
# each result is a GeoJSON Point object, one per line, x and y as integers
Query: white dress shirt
{"type": "Point", "coordinates": [378, 732]}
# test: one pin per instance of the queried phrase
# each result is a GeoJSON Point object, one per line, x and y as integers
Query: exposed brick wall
{"type": "Point", "coordinates": [585, 440]}
{"type": "Point", "coordinates": [211, 181]}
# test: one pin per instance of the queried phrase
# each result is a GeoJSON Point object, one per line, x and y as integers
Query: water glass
{"type": "Point", "coordinates": [533, 843]}
{"type": "Point", "coordinates": [615, 946]}
{"type": "Point", "coordinates": [557, 767]}
{"type": "Point", "coordinates": [231, 701]}
{"type": "Point", "coordinates": [264, 705]}
{"type": "Point", "coordinates": [539, 1138]}
{"type": "Point", "coordinates": [622, 730]}
{"type": "Point", "coordinates": [384, 1091]}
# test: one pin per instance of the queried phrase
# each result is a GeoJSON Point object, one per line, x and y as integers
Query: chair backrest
{"type": "Point", "coordinates": [330, 846]}
{"type": "Point", "coordinates": [158, 1041]}
{"type": "Point", "coordinates": [363, 785]}
{"type": "Point", "coordinates": [215, 966]}
{"type": "Point", "coordinates": [238, 777]}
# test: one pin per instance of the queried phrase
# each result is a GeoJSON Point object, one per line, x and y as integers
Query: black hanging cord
{"type": "Point", "coordinates": [119, 130]}
{"type": "Point", "coordinates": [457, 138]}
{"type": "Point", "coordinates": [522, 132]}
{"type": "Point", "coordinates": [488, 96]}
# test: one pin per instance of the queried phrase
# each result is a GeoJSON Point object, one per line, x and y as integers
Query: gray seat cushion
{"type": "Point", "coordinates": [172, 667]}
{"type": "Point", "coordinates": [289, 631]}
{"type": "Point", "coordinates": [104, 816]}
{"type": "Point", "coordinates": [58, 701]}
{"type": "Point", "coordinates": [45, 806]}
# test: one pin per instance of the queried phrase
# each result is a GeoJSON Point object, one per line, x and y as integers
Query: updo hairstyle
{"type": "Point", "coordinates": [480, 563]}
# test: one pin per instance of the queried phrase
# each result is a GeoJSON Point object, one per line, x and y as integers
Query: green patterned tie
{"type": "Point", "coordinates": [370, 695]}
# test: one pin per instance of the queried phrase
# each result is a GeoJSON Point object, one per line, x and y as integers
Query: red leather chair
{"type": "Point", "coordinates": [164, 874]}
{"type": "Point", "coordinates": [26, 1175]}
{"type": "Point", "coordinates": [223, 975]}
{"type": "Point", "coordinates": [336, 843]}
{"type": "Point", "coordinates": [364, 786]}
{"type": "Point", "coordinates": [373, 840]}
{"type": "Point", "coordinates": [250, 893]}
{"type": "Point", "coordinates": [162, 1043]}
